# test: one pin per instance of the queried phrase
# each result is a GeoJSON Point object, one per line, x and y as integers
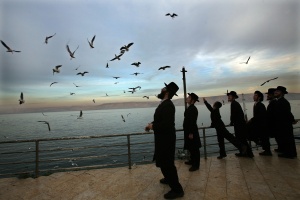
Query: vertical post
{"type": "Point", "coordinates": [204, 143]}
{"type": "Point", "coordinates": [244, 107]}
{"type": "Point", "coordinates": [129, 153]}
{"type": "Point", "coordinates": [36, 158]}
{"type": "Point", "coordinates": [184, 86]}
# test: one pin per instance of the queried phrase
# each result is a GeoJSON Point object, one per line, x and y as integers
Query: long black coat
{"type": "Point", "coordinates": [258, 123]}
{"type": "Point", "coordinates": [238, 121]}
{"type": "Point", "coordinates": [164, 133]}
{"type": "Point", "coordinates": [190, 126]}
{"type": "Point", "coordinates": [271, 117]}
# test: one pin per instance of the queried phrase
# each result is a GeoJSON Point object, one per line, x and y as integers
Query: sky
{"type": "Point", "coordinates": [210, 38]}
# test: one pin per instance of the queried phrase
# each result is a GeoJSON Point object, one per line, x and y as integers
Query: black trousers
{"type": "Point", "coordinates": [265, 142]}
{"type": "Point", "coordinates": [170, 174]}
{"type": "Point", "coordinates": [241, 135]}
{"type": "Point", "coordinates": [195, 156]}
{"type": "Point", "coordinates": [286, 142]}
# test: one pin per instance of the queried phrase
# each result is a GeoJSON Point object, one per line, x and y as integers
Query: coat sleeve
{"type": "Point", "coordinates": [208, 106]}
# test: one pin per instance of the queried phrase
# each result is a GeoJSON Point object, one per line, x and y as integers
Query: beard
{"type": "Point", "coordinates": [161, 95]}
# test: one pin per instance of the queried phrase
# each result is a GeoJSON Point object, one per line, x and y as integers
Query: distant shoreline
{"type": "Point", "coordinates": [128, 105]}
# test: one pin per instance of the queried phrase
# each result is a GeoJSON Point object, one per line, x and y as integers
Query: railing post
{"type": "Point", "coordinates": [129, 152]}
{"type": "Point", "coordinates": [36, 158]}
{"type": "Point", "coordinates": [204, 143]}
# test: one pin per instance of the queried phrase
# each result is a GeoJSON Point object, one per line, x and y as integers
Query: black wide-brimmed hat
{"type": "Point", "coordinates": [194, 96]}
{"type": "Point", "coordinates": [233, 93]}
{"type": "Point", "coordinates": [172, 88]}
{"type": "Point", "coordinates": [282, 89]}
{"type": "Point", "coordinates": [271, 91]}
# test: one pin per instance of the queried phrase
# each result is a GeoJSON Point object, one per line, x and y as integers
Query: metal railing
{"type": "Point", "coordinates": [128, 144]}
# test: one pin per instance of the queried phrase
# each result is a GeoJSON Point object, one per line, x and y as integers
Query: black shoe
{"type": "Point", "coordinates": [220, 157]}
{"type": "Point", "coordinates": [173, 195]}
{"type": "Point", "coordinates": [188, 163]}
{"type": "Point", "coordinates": [286, 156]}
{"type": "Point", "coordinates": [241, 155]}
{"type": "Point", "coordinates": [265, 153]}
{"type": "Point", "coordinates": [244, 149]}
{"type": "Point", "coordinates": [193, 169]}
{"type": "Point", "coordinates": [163, 181]}
{"type": "Point", "coordinates": [277, 150]}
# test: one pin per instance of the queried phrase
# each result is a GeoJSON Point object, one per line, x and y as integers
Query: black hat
{"type": "Point", "coordinates": [194, 96]}
{"type": "Point", "coordinates": [172, 88]}
{"type": "Point", "coordinates": [271, 91]}
{"type": "Point", "coordinates": [233, 93]}
{"type": "Point", "coordinates": [282, 89]}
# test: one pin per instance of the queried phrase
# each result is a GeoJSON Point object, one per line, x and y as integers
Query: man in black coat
{"type": "Point", "coordinates": [191, 133]}
{"type": "Point", "coordinates": [165, 140]}
{"type": "Point", "coordinates": [222, 132]}
{"type": "Point", "coordinates": [238, 121]}
{"type": "Point", "coordinates": [284, 120]}
{"type": "Point", "coordinates": [258, 124]}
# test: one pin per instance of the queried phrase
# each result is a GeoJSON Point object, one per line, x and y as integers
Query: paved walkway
{"type": "Point", "coordinates": [230, 178]}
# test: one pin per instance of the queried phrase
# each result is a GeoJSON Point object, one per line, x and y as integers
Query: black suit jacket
{"type": "Point", "coordinates": [258, 123]}
{"type": "Point", "coordinates": [271, 117]}
{"type": "Point", "coordinates": [283, 116]}
{"type": "Point", "coordinates": [190, 126]}
{"type": "Point", "coordinates": [164, 133]}
{"type": "Point", "coordinates": [237, 114]}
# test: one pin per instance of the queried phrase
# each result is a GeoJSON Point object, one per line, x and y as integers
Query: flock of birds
{"type": "Point", "coordinates": [123, 50]}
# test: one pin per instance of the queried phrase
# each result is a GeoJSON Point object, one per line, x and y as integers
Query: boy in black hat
{"type": "Point", "coordinates": [222, 132]}
{"type": "Point", "coordinates": [238, 121]}
{"type": "Point", "coordinates": [191, 133]}
{"type": "Point", "coordinates": [284, 120]}
{"type": "Point", "coordinates": [165, 140]}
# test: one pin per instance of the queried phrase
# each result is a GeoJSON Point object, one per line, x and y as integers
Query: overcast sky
{"type": "Point", "coordinates": [209, 37]}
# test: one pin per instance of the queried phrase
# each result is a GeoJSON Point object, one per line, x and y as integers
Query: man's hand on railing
{"type": "Point", "coordinates": [148, 127]}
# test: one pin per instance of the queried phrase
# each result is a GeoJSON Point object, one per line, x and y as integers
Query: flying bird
{"type": "Point", "coordinates": [123, 118]}
{"type": "Point", "coordinates": [137, 64]}
{"type": "Point", "coordinates": [136, 73]}
{"type": "Point", "coordinates": [72, 93]}
{"type": "Point", "coordinates": [116, 82]}
{"type": "Point", "coordinates": [117, 57]}
{"type": "Point", "coordinates": [133, 91]}
{"type": "Point", "coordinates": [146, 97]}
{"type": "Point", "coordinates": [94, 101]}
{"type": "Point", "coordinates": [56, 69]}
{"type": "Point", "coordinates": [172, 15]}
{"type": "Point", "coordinates": [70, 52]}
{"type": "Point", "coordinates": [246, 61]}
{"type": "Point", "coordinates": [107, 65]}
{"type": "Point", "coordinates": [45, 122]}
{"type": "Point", "coordinates": [126, 47]}
{"type": "Point", "coordinates": [106, 94]}
{"type": "Point", "coordinates": [164, 67]}
{"type": "Point", "coordinates": [128, 114]}
{"type": "Point", "coordinates": [80, 115]}
{"type": "Point", "coordinates": [77, 67]}
{"type": "Point", "coordinates": [52, 83]}
{"type": "Point", "coordinates": [8, 48]}
{"type": "Point", "coordinates": [44, 114]}
{"type": "Point", "coordinates": [48, 37]}
{"type": "Point", "coordinates": [76, 85]}
{"type": "Point", "coordinates": [82, 73]}
{"type": "Point", "coordinates": [21, 100]}
{"type": "Point", "coordinates": [124, 91]}
{"type": "Point", "coordinates": [92, 42]}
{"type": "Point", "coordinates": [116, 77]}
{"type": "Point", "coordinates": [268, 81]}
{"type": "Point", "coordinates": [138, 87]}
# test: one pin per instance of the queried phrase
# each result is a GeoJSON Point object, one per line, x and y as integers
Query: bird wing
{"type": "Point", "coordinates": [5, 45]}
{"type": "Point", "coordinates": [80, 115]}
{"type": "Point", "coordinates": [48, 125]}
{"type": "Point", "coordinates": [168, 14]}
{"type": "Point", "coordinates": [174, 14]}
{"type": "Point", "coordinates": [274, 78]}
{"type": "Point", "coordinates": [21, 96]}
{"type": "Point", "coordinates": [68, 49]}
{"type": "Point", "coordinates": [93, 38]}
{"type": "Point", "coordinates": [57, 66]}
{"type": "Point", "coordinates": [85, 72]}
{"type": "Point", "coordinates": [131, 43]}
{"type": "Point", "coordinates": [248, 59]}
{"type": "Point", "coordinates": [79, 73]}
{"type": "Point", "coordinates": [76, 49]}
{"type": "Point", "coordinates": [160, 68]}
{"type": "Point", "coordinates": [263, 83]}
{"type": "Point", "coordinates": [106, 65]}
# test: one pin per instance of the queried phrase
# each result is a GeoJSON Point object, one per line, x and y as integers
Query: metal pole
{"type": "Point", "coordinates": [245, 109]}
{"type": "Point", "coordinates": [37, 159]}
{"type": "Point", "coordinates": [204, 143]}
{"type": "Point", "coordinates": [129, 153]}
{"type": "Point", "coordinates": [184, 86]}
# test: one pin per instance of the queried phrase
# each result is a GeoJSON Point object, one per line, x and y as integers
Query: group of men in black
{"type": "Point", "coordinates": [275, 121]}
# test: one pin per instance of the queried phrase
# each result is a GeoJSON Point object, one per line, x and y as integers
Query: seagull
{"type": "Point", "coordinates": [123, 118]}
{"type": "Point", "coordinates": [56, 69]}
{"type": "Point", "coordinates": [71, 93]}
{"type": "Point", "coordinates": [76, 85]}
{"type": "Point", "coordinates": [137, 64]}
{"type": "Point", "coordinates": [94, 101]}
{"type": "Point", "coordinates": [133, 89]}
{"type": "Point", "coordinates": [77, 67]}
{"type": "Point", "coordinates": [126, 47]}
{"type": "Point", "coordinates": [268, 81]}
{"type": "Point", "coordinates": [52, 83]}
{"type": "Point", "coordinates": [48, 37]}
{"type": "Point", "coordinates": [107, 65]}
{"type": "Point", "coordinates": [44, 114]}
{"type": "Point", "coordinates": [118, 57]}
{"type": "Point", "coordinates": [70, 52]}
{"type": "Point", "coordinates": [116, 77]}
{"type": "Point", "coordinates": [91, 43]}
{"type": "Point", "coordinates": [45, 122]}
{"type": "Point", "coordinates": [124, 91]}
{"type": "Point", "coordinates": [246, 61]}
{"type": "Point", "coordinates": [106, 94]}
{"type": "Point", "coordinates": [136, 73]}
{"type": "Point", "coordinates": [21, 100]}
{"type": "Point", "coordinates": [172, 15]}
{"type": "Point", "coordinates": [138, 87]}
{"type": "Point", "coordinates": [116, 82]}
{"type": "Point", "coordinates": [164, 67]}
{"type": "Point", "coordinates": [128, 114]}
{"type": "Point", "coordinates": [80, 115]}
{"type": "Point", "coordinates": [82, 73]}
{"type": "Point", "coordinates": [8, 49]}
{"type": "Point", "coordinates": [146, 97]}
